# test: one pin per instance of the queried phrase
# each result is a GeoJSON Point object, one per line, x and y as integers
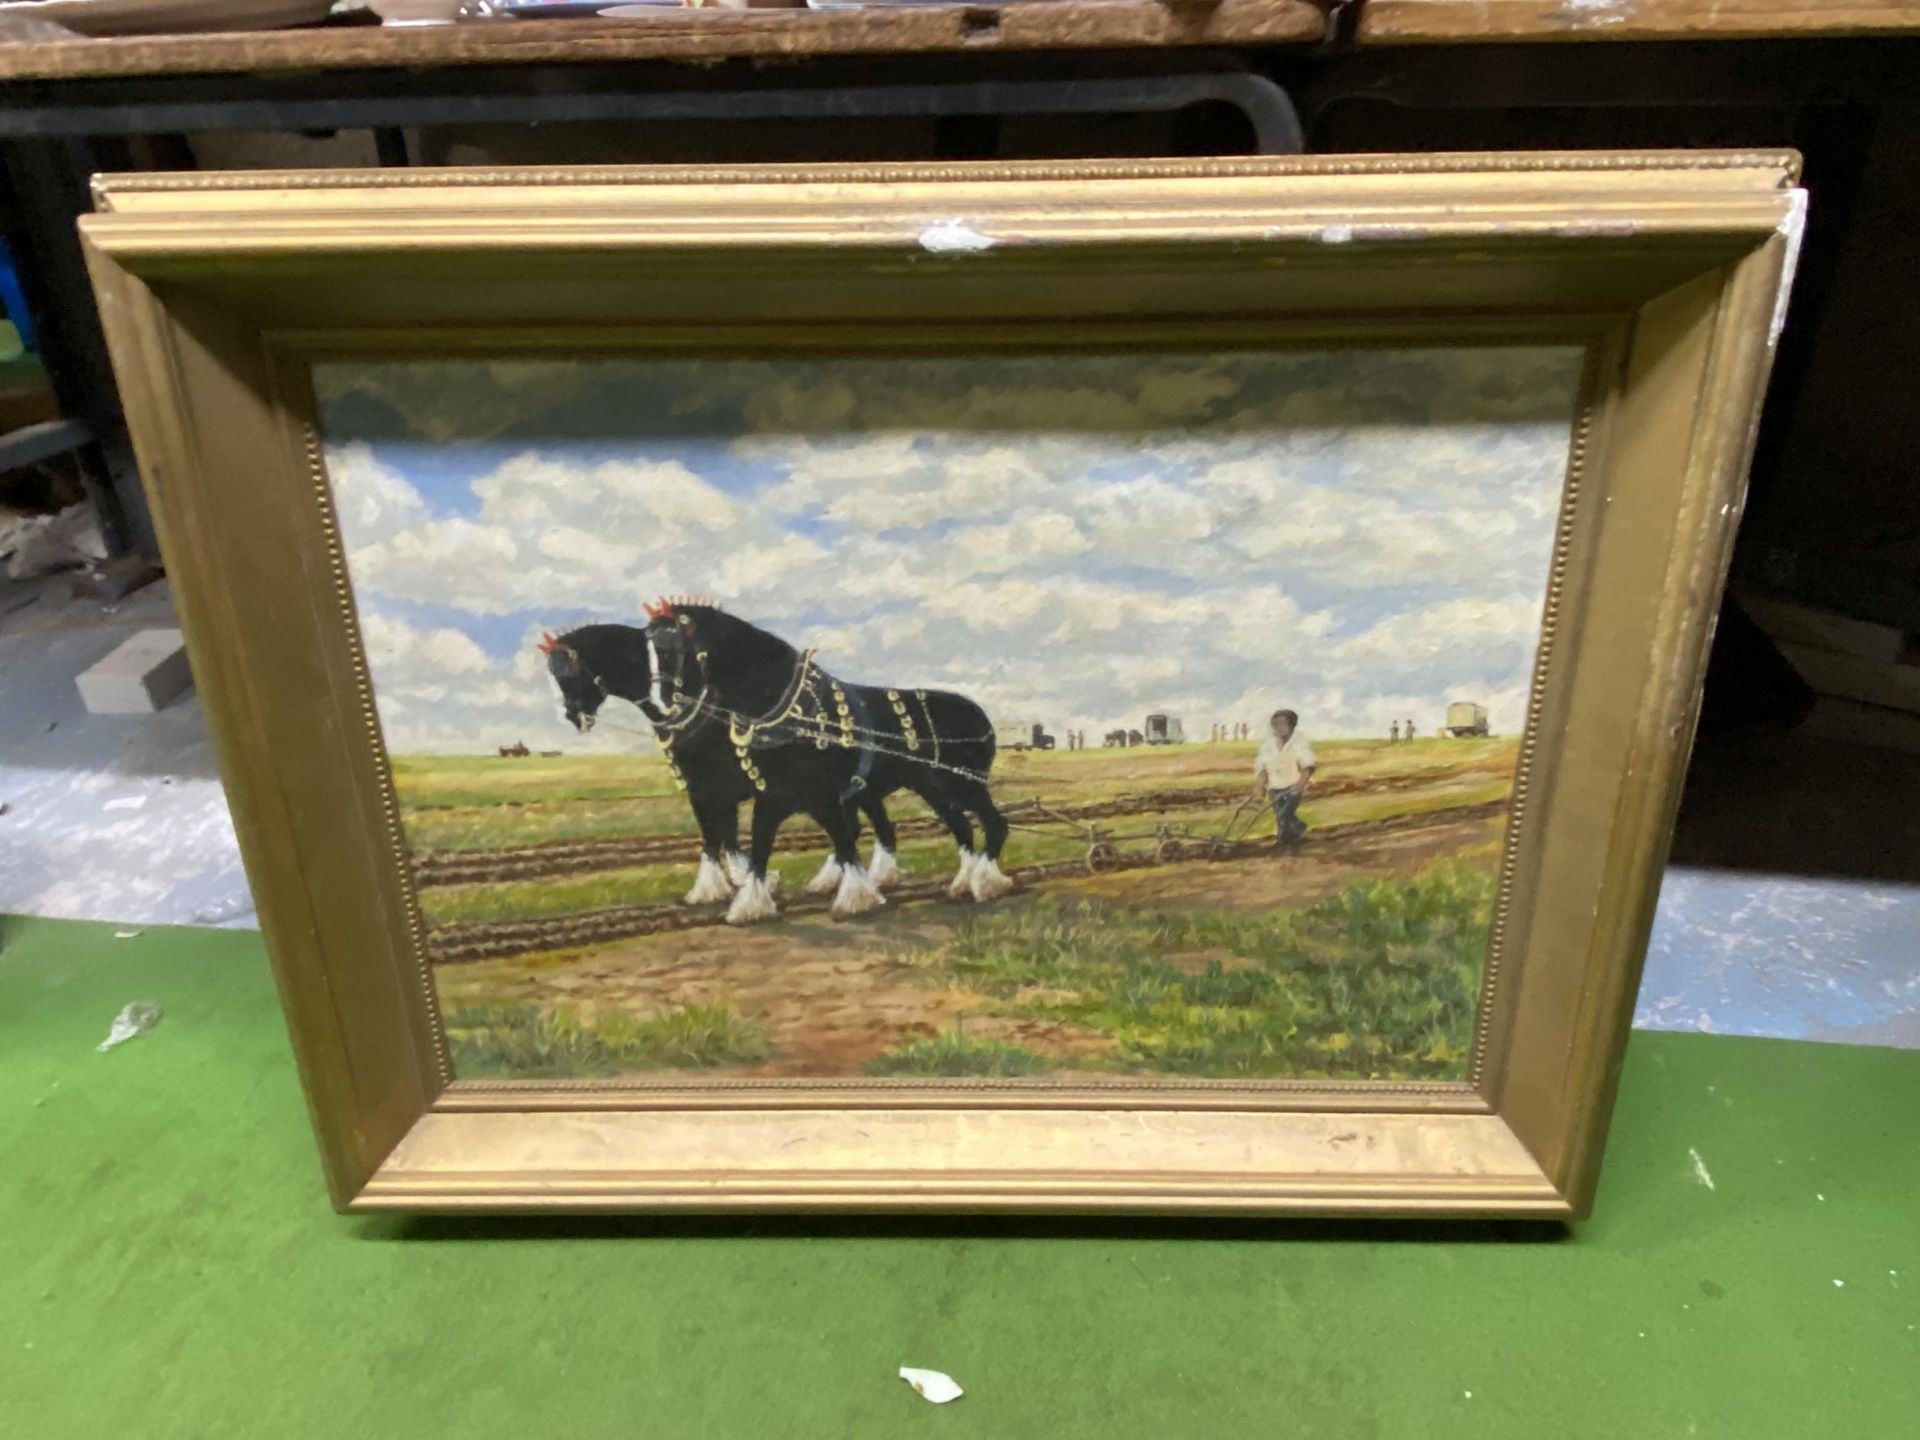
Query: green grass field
{"type": "Point", "coordinates": [526, 1042]}
{"type": "Point", "coordinates": [1364, 973]}
{"type": "Point", "coordinates": [440, 781]}
{"type": "Point", "coordinates": [1379, 980]}
{"type": "Point", "coordinates": [505, 827]}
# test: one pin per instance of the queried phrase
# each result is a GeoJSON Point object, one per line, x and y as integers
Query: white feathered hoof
{"type": "Point", "coordinates": [737, 867]}
{"type": "Point", "coordinates": [753, 904]}
{"type": "Point", "coordinates": [989, 880]}
{"type": "Point", "coordinates": [962, 886]}
{"type": "Point", "coordinates": [885, 870]}
{"type": "Point", "coordinates": [858, 895]}
{"type": "Point", "coordinates": [827, 881]}
{"type": "Point", "coordinates": [711, 885]}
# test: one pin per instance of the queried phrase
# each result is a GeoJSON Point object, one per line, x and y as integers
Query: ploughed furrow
{"type": "Point", "coordinates": [501, 939]}
{"type": "Point", "coordinates": [582, 857]}
{"type": "Point", "coordinates": [574, 857]}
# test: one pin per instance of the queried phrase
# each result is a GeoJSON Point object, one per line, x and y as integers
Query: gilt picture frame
{"type": "Point", "coordinates": [1065, 501]}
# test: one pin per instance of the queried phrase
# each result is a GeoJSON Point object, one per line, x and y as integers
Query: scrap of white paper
{"type": "Point", "coordinates": [134, 1019]}
{"type": "Point", "coordinates": [934, 1385]}
{"type": "Point", "coordinates": [125, 802]}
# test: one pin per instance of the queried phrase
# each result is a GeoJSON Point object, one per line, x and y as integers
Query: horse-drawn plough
{"type": "Point", "coordinates": [1165, 841]}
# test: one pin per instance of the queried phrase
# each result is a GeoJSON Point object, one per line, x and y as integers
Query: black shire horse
{"type": "Point", "coordinates": [742, 715]}
{"type": "Point", "coordinates": [597, 661]}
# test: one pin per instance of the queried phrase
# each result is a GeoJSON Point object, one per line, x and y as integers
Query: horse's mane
{"type": "Point", "coordinates": [722, 626]}
{"type": "Point", "coordinates": [693, 602]}
{"type": "Point", "coordinates": [750, 663]}
{"type": "Point", "coordinates": [606, 621]}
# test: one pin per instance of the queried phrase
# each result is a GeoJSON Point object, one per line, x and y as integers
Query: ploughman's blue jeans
{"type": "Point", "coordinates": [1287, 824]}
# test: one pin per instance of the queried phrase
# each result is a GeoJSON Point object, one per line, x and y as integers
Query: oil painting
{"type": "Point", "coordinates": [1079, 717]}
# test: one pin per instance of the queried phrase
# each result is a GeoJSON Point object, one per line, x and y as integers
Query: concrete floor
{"type": "Point", "coordinates": [108, 817]}
{"type": "Point", "coordinates": [1792, 908]}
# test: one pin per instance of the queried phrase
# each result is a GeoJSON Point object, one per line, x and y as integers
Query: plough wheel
{"type": "Point", "coordinates": [1168, 851]}
{"type": "Point", "coordinates": [1101, 855]}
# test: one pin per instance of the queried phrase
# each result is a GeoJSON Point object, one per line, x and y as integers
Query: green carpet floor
{"type": "Point", "coordinates": [172, 1269]}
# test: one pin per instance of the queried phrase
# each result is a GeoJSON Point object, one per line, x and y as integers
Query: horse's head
{"type": "Point", "coordinates": [678, 655]}
{"type": "Point", "coordinates": [661, 668]}
{"type": "Point", "coordinates": [582, 690]}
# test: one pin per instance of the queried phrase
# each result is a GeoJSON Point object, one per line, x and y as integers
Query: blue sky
{"type": "Point", "coordinates": [1076, 539]}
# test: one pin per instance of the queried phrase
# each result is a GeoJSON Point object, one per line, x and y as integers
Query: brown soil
{"type": "Point", "coordinates": [829, 994]}
{"type": "Point", "coordinates": [832, 996]}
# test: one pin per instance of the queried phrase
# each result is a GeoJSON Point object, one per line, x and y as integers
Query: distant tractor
{"type": "Point", "coordinates": [1022, 735]}
{"type": "Point", "coordinates": [1464, 718]}
{"type": "Point", "coordinates": [1165, 730]}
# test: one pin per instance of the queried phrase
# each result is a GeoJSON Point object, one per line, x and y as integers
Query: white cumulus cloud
{"type": "Point", "coordinates": [1361, 536]}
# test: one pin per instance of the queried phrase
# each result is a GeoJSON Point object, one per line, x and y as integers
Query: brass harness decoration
{"type": "Point", "coordinates": [815, 708]}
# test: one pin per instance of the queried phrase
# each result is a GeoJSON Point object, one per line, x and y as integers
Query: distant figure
{"type": "Point", "coordinates": [1409, 728]}
{"type": "Point", "coordinates": [1282, 770]}
{"type": "Point", "coordinates": [1393, 733]}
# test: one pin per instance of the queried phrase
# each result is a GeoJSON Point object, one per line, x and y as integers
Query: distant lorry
{"type": "Point", "coordinates": [1022, 735]}
{"type": "Point", "coordinates": [1165, 730]}
{"type": "Point", "coordinates": [1465, 718]}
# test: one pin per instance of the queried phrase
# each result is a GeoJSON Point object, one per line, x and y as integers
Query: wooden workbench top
{"type": "Point", "coordinates": [684, 35]}
{"type": "Point", "coordinates": [702, 35]}
{"type": "Point", "coordinates": [1412, 22]}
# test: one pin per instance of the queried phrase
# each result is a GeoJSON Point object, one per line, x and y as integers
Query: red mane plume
{"type": "Point", "coordinates": [547, 644]}
{"type": "Point", "coordinates": [661, 609]}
